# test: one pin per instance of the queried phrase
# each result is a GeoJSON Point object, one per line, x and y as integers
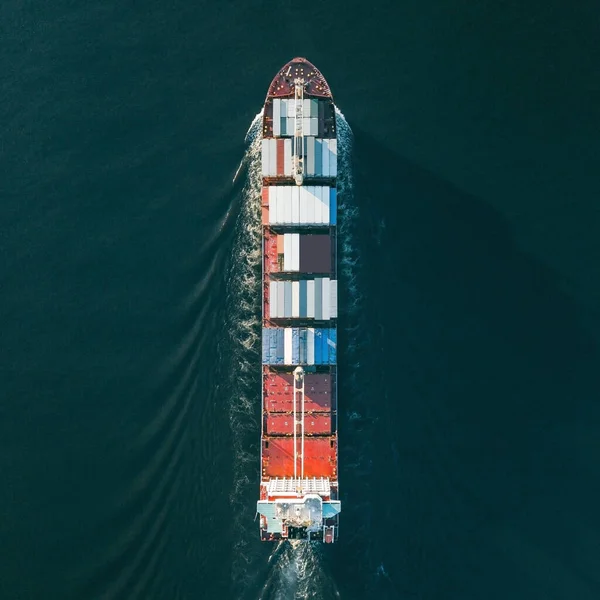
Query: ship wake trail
{"type": "Point", "coordinates": [348, 222]}
{"type": "Point", "coordinates": [349, 257]}
{"type": "Point", "coordinates": [240, 356]}
{"type": "Point", "coordinates": [297, 572]}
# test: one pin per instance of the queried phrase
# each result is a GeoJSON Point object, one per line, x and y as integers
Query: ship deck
{"type": "Point", "coordinates": [278, 390]}
{"type": "Point", "coordinates": [320, 457]}
{"type": "Point", "coordinates": [283, 83]}
{"type": "Point", "coordinates": [320, 424]}
{"type": "Point", "coordinates": [283, 424]}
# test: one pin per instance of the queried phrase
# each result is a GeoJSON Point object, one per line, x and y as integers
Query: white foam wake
{"type": "Point", "coordinates": [242, 359]}
{"type": "Point", "coordinates": [297, 572]}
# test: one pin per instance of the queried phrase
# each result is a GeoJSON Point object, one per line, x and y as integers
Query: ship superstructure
{"type": "Point", "coordinates": [299, 492]}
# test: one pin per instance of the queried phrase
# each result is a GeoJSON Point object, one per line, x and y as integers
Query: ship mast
{"type": "Point", "coordinates": [298, 164]}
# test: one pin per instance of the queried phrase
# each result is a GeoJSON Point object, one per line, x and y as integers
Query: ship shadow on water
{"type": "Point", "coordinates": [459, 460]}
{"type": "Point", "coordinates": [464, 375]}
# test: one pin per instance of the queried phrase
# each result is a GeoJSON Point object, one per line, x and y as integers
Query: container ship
{"type": "Point", "coordinates": [299, 492]}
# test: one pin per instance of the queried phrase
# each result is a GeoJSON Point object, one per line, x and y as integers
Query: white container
{"type": "Point", "coordinates": [333, 157]}
{"type": "Point", "coordinates": [295, 299]}
{"type": "Point", "coordinates": [310, 346]}
{"type": "Point", "coordinates": [287, 345]}
{"type": "Point", "coordinates": [265, 157]}
{"type": "Point", "coordinates": [326, 299]}
{"type": "Point", "coordinates": [333, 299]}
{"type": "Point", "coordinates": [280, 299]}
{"type": "Point", "coordinates": [295, 204]}
{"type": "Point", "coordinates": [325, 205]}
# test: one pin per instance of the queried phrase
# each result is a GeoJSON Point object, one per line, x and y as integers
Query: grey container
{"type": "Point", "coordinates": [280, 299]}
{"type": "Point", "coordinates": [303, 299]}
{"type": "Point", "coordinates": [287, 286]}
{"type": "Point", "coordinates": [319, 157]}
{"type": "Point", "coordinates": [315, 253]}
{"type": "Point", "coordinates": [314, 107]}
{"type": "Point", "coordinates": [318, 298]}
{"type": "Point", "coordinates": [310, 155]}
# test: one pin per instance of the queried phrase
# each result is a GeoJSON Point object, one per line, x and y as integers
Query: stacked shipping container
{"type": "Point", "coordinates": [295, 252]}
{"type": "Point", "coordinates": [305, 205]}
{"type": "Point", "coordinates": [284, 117]}
{"type": "Point", "coordinates": [320, 157]}
{"type": "Point", "coordinates": [304, 299]}
{"type": "Point", "coordinates": [299, 346]}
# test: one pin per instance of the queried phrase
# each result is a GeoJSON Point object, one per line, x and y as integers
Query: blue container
{"type": "Point", "coordinates": [273, 350]}
{"type": "Point", "coordinates": [318, 347]}
{"type": "Point", "coordinates": [279, 351]}
{"type": "Point", "coordinates": [265, 346]}
{"type": "Point", "coordinates": [333, 346]}
{"type": "Point", "coordinates": [303, 350]}
{"type": "Point", "coordinates": [303, 303]}
{"type": "Point", "coordinates": [318, 157]}
{"type": "Point", "coordinates": [273, 347]}
{"type": "Point", "coordinates": [295, 346]}
{"type": "Point", "coordinates": [333, 206]}
{"type": "Point", "coordinates": [314, 107]}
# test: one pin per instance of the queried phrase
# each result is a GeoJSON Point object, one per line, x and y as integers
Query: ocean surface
{"type": "Point", "coordinates": [470, 299]}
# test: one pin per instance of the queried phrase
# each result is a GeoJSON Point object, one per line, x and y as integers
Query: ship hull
{"type": "Point", "coordinates": [299, 488]}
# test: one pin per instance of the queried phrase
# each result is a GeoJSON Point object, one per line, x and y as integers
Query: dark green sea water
{"type": "Point", "coordinates": [129, 382]}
